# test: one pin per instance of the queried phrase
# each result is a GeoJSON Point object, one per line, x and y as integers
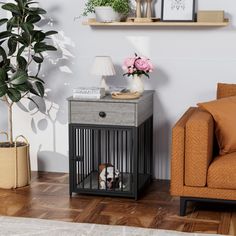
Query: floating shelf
{"type": "Point", "coordinates": [92, 22]}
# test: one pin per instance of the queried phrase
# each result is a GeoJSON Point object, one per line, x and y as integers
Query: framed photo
{"type": "Point", "coordinates": [178, 10]}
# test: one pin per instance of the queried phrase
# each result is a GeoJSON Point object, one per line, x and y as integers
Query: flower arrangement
{"type": "Point", "coordinates": [137, 66]}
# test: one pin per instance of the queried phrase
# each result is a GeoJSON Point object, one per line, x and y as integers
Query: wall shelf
{"type": "Point", "coordinates": [93, 23]}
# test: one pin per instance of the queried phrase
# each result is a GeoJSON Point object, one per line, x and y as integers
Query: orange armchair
{"type": "Point", "coordinates": [198, 173]}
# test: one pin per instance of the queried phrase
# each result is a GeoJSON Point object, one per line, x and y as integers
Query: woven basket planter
{"type": "Point", "coordinates": [14, 164]}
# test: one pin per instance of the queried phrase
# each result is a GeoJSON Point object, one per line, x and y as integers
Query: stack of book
{"type": "Point", "coordinates": [89, 93]}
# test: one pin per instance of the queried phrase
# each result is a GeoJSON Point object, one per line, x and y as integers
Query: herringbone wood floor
{"type": "Point", "coordinates": [48, 198]}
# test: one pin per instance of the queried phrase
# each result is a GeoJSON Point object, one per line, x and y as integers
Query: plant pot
{"type": "Point", "coordinates": [137, 84]}
{"type": "Point", "coordinates": [14, 164]}
{"type": "Point", "coordinates": [106, 14]}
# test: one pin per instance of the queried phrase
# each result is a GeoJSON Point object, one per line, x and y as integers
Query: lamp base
{"type": "Point", "coordinates": [104, 85]}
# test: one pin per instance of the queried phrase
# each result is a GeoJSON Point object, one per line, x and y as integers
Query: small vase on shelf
{"type": "Point", "coordinates": [137, 84]}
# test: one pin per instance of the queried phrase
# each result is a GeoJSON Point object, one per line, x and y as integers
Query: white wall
{"type": "Point", "coordinates": [189, 62]}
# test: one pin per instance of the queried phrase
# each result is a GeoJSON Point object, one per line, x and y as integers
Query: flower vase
{"type": "Point", "coordinates": [137, 84]}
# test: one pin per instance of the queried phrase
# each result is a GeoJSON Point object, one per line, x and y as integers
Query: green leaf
{"type": "Point", "coordinates": [24, 87]}
{"type": "Point", "coordinates": [3, 53]}
{"type": "Point", "coordinates": [41, 47]}
{"type": "Point", "coordinates": [20, 77]}
{"type": "Point", "coordinates": [12, 44]}
{"type": "Point", "coordinates": [33, 19]}
{"type": "Point", "coordinates": [50, 48]}
{"type": "Point", "coordinates": [51, 32]}
{"type": "Point", "coordinates": [40, 88]}
{"type": "Point", "coordinates": [3, 88]}
{"type": "Point", "coordinates": [13, 22]}
{"type": "Point", "coordinates": [5, 34]}
{"type": "Point", "coordinates": [12, 8]}
{"type": "Point", "coordinates": [26, 38]}
{"type": "Point", "coordinates": [37, 11]}
{"type": "Point", "coordinates": [22, 40]}
{"type": "Point", "coordinates": [36, 78]}
{"type": "Point", "coordinates": [3, 21]}
{"type": "Point", "coordinates": [27, 27]}
{"type": "Point", "coordinates": [37, 59]}
{"type": "Point", "coordinates": [14, 94]}
{"type": "Point", "coordinates": [38, 36]}
{"type": "Point", "coordinates": [20, 51]}
{"type": "Point", "coordinates": [3, 75]}
{"type": "Point", "coordinates": [22, 63]}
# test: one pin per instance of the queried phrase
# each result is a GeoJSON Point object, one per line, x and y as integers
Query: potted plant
{"type": "Point", "coordinates": [21, 55]}
{"type": "Point", "coordinates": [136, 67]}
{"type": "Point", "coordinates": [107, 10]}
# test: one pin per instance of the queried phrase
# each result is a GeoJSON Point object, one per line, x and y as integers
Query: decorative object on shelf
{"type": "Point", "coordinates": [103, 66]}
{"type": "Point", "coordinates": [106, 14]}
{"type": "Point", "coordinates": [125, 95]}
{"type": "Point", "coordinates": [21, 53]}
{"type": "Point", "coordinates": [178, 10]}
{"type": "Point", "coordinates": [140, 17]}
{"type": "Point", "coordinates": [136, 67]}
{"type": "Point", "coordinates": [149, 9]}
{"type": "Point", "coordinates": [107, 10]}
{"type": "Point", "coordinates": [89, 93]}
{"type": "Point", "coordinates": [210, 16]}
{"type": "Point", "coordinates": [138, 9]}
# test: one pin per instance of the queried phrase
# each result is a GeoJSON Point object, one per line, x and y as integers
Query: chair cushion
{"type": "Point", "coordinates": [225, 90]}
{"type": "Point", "coordinates": [224, 113]}
{"type": "Point", "coordinates": [222, 172]}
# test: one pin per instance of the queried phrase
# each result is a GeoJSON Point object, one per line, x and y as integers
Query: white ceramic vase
{"type": "Point", "coordinates": [106, 14]}
{"type": "Point", "coordinates": [137, 84]}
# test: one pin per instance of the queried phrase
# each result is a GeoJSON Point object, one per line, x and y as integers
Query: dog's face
{"type": "Point", "coordinates": [110, 176]}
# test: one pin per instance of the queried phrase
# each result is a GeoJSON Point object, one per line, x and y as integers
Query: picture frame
{"type": "Point", "coordinates": [178, 10]}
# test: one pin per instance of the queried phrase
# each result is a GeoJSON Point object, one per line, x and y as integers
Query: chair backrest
{"type": "Point", "coordinates": [225, 90]}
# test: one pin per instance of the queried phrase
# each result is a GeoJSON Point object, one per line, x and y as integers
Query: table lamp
{"type": "Point", "coordinates": [103, 66]}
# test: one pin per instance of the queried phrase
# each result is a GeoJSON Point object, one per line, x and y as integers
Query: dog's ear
{"type": "Point", "coordinates": [101, 167]}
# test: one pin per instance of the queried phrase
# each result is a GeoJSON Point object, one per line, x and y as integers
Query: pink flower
{"type": "Point", "coordinates": [129, 62]}
{"type": "Point", "coordinates": [143, 64]}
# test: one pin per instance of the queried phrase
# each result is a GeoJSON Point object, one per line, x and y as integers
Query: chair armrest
{"type": "Point", "coordinates": [178, 152]}
{"type": "Point", "coordinates": [198, 147]}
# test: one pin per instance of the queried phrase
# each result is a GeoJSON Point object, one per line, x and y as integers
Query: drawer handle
{"type": "Point", "coordinates": [102, 114]}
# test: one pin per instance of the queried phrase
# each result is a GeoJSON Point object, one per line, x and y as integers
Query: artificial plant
{"type": "Point", "coordinates": [21, 54]}
{"type": "Point", "coordinates": [120, 6]}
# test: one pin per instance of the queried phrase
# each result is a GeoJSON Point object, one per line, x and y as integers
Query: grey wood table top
{"type": "Point", "coordinates": [108, 98]}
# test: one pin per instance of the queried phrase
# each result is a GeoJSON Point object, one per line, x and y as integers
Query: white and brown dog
{"type": "Point", "coordinates": [109, 177]}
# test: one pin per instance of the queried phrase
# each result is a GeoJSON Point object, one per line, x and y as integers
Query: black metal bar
{"type": "Point", "coordinates": [71, 172]}
{"type": "Point", "coordinates": [113, 155]}
{"type": "Point", "coordinates": [122, 156]}
{"type": "Point", "coordinates": [135, 157]}
{"type": "Point", "coordinates": [99, 155]}
{"type": "Point", "coordinates": [151, 148]}
{"type": "Point", "coordinates": [82, 150]}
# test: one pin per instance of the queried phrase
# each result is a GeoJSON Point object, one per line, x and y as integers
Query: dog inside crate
{"type": "Point", "coordinates": [109, 177]}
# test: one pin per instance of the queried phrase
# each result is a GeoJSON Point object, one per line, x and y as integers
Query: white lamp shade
{"type": "Point", "coordinates": [103, 66]}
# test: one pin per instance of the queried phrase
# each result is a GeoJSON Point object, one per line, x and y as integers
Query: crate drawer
{"type": "Point", "coordinates": [101, 113]}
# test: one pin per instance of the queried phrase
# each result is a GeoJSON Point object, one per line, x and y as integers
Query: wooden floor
{"type": "Point", "coordinates": [48, 198]}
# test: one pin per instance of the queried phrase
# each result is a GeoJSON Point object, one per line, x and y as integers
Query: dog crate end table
{"type": "Point", "coordinates": [111, 145]}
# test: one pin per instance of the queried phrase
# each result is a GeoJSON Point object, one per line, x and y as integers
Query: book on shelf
{"type": "Point", "coordinates": [90, 92]}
